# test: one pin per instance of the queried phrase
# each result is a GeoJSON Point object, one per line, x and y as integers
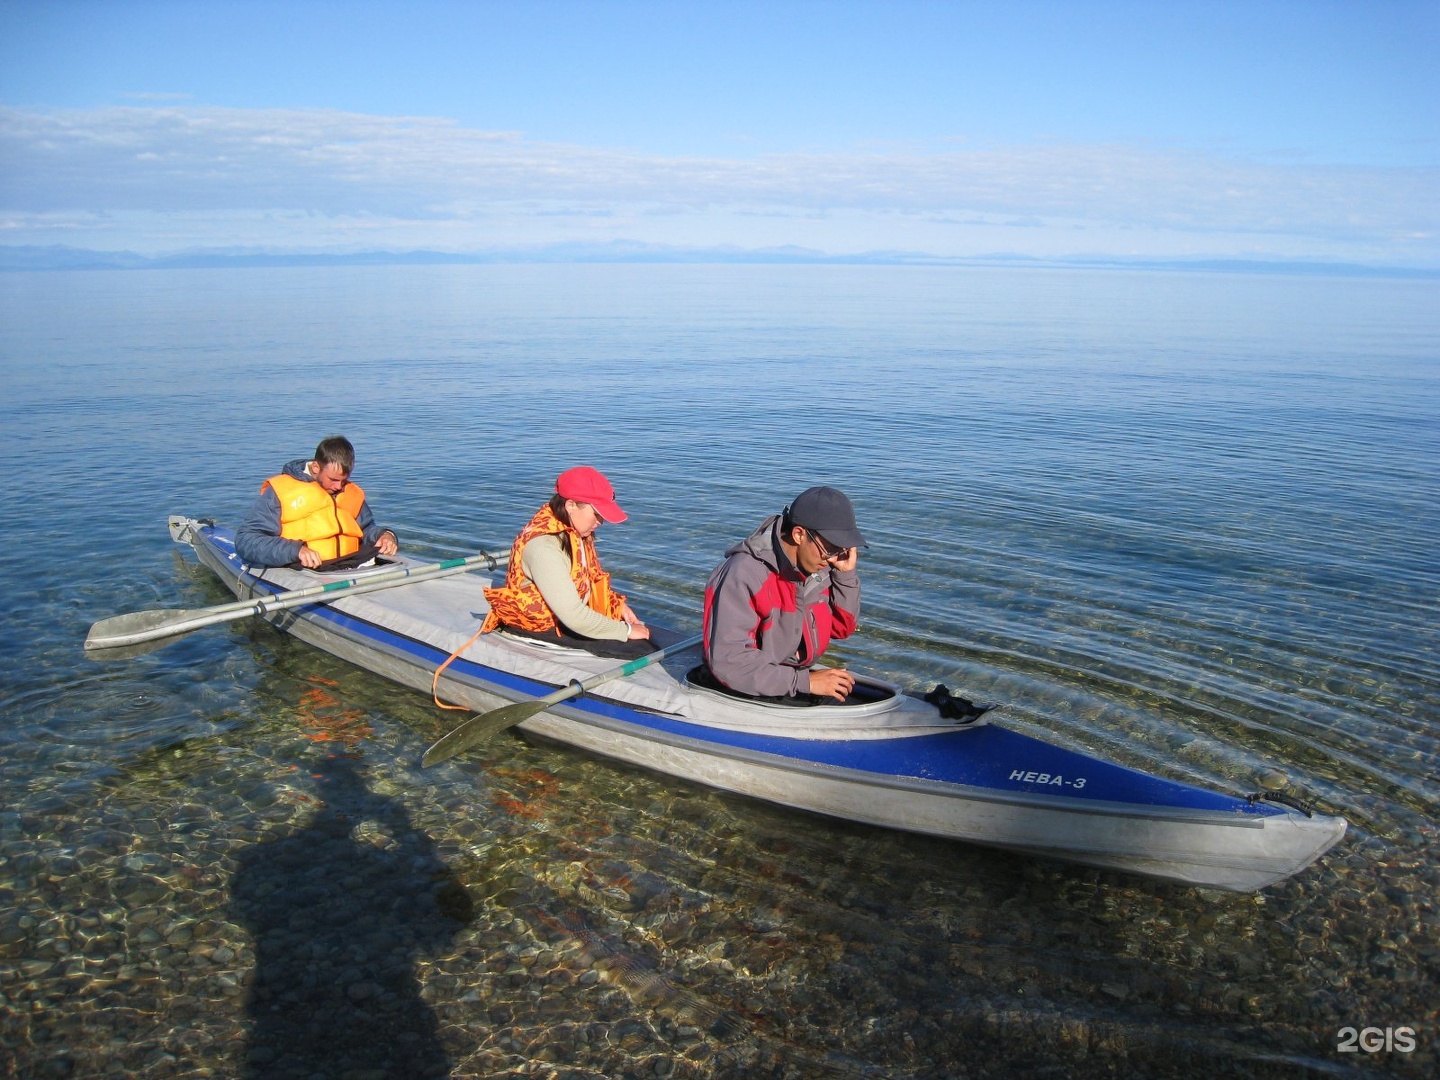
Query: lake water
{"type": "Point", "coordinates": [1187, 521]}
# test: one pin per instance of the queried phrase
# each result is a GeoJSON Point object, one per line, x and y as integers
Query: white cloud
{"type": "Point", "coordinates": [156, 176]}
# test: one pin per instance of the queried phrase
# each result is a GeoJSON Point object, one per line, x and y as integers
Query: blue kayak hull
{"type": "Point", "coordinates": [980, 783]}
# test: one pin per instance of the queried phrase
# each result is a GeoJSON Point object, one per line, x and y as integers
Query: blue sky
{"type": "Point", "coordinates": [1271, 130]}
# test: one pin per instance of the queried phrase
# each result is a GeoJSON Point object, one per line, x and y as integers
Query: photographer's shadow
{"type": "Point", "coordinates": [337, 922]}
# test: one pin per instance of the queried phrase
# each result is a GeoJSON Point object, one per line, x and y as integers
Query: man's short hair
{"type": "Point", "coordinates": [336, 450]}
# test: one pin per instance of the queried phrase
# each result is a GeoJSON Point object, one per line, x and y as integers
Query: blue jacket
{"type": "Point", "coordinates": [258, 541]}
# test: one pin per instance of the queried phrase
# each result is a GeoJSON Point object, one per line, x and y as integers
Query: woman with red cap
{"type": "Point", "coordinates": [555, 589]}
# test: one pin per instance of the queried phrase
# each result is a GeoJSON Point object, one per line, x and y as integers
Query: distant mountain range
{"type": "Point", "coordinates": [19, 258]}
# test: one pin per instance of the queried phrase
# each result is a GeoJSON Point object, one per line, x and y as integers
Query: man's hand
{"type": "Point", "coordinates": [386, 544]}
{"type": "Point", "coordinates": [309, 557]}
{"type": "Point", "coordinates": [832, 682]}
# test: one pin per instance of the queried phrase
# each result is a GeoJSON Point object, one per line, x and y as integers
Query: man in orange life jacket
{"type": "Point", "coordinates": [310, 513]}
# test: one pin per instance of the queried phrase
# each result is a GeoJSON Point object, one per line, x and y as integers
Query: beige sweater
{"type": "Point", "coordinates": [546, 564]}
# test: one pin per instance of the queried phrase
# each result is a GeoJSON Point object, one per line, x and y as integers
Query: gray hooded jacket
{"type": "Point", "coordinates": [766, 624]}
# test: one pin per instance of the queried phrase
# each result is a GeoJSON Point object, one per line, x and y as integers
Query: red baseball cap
{"type": "Point", "coordinates": [586, 485]}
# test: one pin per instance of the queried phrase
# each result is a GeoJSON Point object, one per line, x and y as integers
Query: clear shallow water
{"type": "Point", "coordinates": [1187, 521]}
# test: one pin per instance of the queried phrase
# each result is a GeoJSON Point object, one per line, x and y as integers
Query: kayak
{"type": "Point", "coordinates": [887, 757]}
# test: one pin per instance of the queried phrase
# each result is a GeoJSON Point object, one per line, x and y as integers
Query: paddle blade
{"type": "Point", "coordinates": [129, 652]}
{"type": "Point", "coordinates": [481, 729]}
{"type": "Point", "coordinates": [138, 626]}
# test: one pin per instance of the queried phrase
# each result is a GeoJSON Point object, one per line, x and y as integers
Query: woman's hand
{"type": "Point", "coordinates": [638, 630]}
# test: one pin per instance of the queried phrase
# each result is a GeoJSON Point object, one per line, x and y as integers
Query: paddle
{"type": "Point", "coordinates": [123, 631]}
{"type": "Point", "coordinates": [486, 726]}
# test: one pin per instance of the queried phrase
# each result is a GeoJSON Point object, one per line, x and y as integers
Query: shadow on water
{"type": "Point", "coordinates": [338, 912]}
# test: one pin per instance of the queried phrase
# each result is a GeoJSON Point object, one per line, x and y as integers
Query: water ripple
{"type": "Point", "coordinates": [1184, 521]}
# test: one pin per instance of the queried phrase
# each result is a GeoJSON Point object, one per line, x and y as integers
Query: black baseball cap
{"type": "Point", "coordinates": [828, 512]}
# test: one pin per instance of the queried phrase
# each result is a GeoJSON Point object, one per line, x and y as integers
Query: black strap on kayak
{"type": "Point", "coordinates": [954, 707]}
{"type": "Point", "coordinates": [1284, 800]}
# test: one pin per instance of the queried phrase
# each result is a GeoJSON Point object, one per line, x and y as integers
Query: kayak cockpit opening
{"type": "Point", "coordinates": [864, 692]}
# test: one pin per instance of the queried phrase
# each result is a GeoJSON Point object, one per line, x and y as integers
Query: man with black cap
{"type": "Point", "coordinates": [780, 597]}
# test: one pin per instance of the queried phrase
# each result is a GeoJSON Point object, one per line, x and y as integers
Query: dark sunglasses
{"type": "Point", "coordinates": [827, 553]}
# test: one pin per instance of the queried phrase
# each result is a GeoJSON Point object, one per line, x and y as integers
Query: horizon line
{"type": "Point", "coordinates": [27, 257]}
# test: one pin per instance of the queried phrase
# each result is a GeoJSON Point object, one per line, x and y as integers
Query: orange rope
{"type": "Point", "coordinates": [435, 682]}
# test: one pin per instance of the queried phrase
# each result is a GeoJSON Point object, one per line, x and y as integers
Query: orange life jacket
{"type": "Point", "coordinates": [518, 602]}
{"type": "Point", "coordinates": [326, 523]}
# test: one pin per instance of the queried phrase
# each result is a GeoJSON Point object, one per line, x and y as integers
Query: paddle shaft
{"type": "Point", "coordinates": [486, 726]}
{"type": "Point", "coordinates": [575, 689]}
{"type": "Point", "coordinates": [142, 626]}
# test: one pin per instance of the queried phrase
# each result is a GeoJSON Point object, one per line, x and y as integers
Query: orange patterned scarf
{"type": "Point", "coordinates": [518, 602]}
